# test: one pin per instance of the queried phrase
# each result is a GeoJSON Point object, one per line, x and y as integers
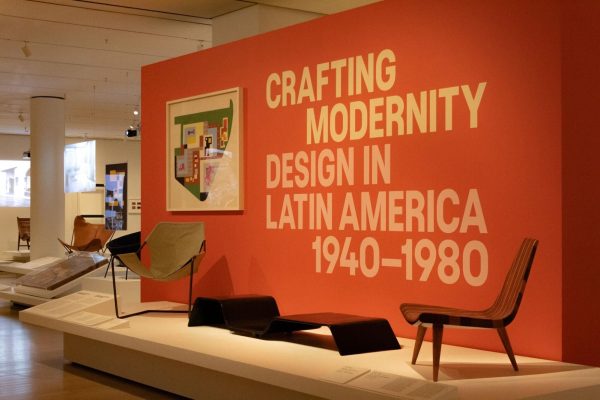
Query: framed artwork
{"type": "Point", "coordinates": [115, 205]}
{"type": "Point", "coordinates": [204, 152]}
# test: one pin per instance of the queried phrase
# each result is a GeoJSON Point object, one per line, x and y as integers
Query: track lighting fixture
{"type": "Point", "coordinates": [132, 131]}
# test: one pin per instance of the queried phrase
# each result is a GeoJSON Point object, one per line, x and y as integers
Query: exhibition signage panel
{"type": "Point", "coordinates": [399, 159]}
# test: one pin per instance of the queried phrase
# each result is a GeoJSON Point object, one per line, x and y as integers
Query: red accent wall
{"type": "Point", "coordinates": [511, 159]}
{"type": "Point", "coordinates": [581, 183]}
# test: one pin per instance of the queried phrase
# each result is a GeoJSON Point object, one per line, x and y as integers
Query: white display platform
{"type": "Point", "coordinates": [7, 292]}
{"type": "Point", "coordinates": [69, 287]}
{"type": "Point", "coordinates": [25, 268]}
{"type": "Point", "coordinates": [160, 350]}
{"type": "Point", "coordinates": [15, 255]}
{"type": "Point", "coordinates": [128, 289]}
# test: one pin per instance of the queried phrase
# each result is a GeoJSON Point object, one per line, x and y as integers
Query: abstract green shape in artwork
{"type": "Point", "coordinates": [189, 162]}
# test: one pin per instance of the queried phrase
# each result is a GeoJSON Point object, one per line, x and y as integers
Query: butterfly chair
{"type": "Point", "coordinates": [23, 225]}
{"type": "Point", "coordinates": [125, 244]}
{"type": "Point", "coordinates": [498, 316]}
{"type": "Point", "coordinates": [175, 250]}
{"type": "Point", "coordinates": [87, 236]}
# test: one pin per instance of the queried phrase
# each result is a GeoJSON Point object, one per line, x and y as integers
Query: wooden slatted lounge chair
{"type": "Point", "coordinates": [498, 316]}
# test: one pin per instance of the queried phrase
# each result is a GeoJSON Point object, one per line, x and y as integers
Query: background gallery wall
{"type": "Point", "coordinates": [394, 153]}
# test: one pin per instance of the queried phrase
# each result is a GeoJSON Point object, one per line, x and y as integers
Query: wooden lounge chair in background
{"type": "Point", "coordinates": [23, 225]}
{"type": "Point", "coordinates": [498, 316]}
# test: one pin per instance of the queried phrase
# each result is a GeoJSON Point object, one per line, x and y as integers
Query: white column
{"type": "Point", "coordinates": [47, 176]}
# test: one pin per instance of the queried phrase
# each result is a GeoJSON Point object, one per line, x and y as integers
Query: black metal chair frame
{"type": "Point", "coordinates": [188, 311]}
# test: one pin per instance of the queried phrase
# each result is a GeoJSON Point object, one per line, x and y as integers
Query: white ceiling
{"type": "Point", "coordinates": [91, 52]}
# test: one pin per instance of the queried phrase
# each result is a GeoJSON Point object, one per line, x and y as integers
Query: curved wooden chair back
{"type": "Point", "coordinates": [508, 301]}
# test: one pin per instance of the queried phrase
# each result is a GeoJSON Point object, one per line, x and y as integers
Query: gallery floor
{"type": "Point", "coordinates": [32, 367]}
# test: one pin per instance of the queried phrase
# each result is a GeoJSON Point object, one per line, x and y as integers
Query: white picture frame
{"type": "Point", "coordinates": [205, 152]}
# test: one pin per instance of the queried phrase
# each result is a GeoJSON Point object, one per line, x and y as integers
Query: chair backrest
{"type": "Point", "coordinates": [104, 234]}
{"type": "Point", "coordinates": [84, 232]}
{"type": "Point", "coordinates": [24, 226]}
{"type": "Point", "coordinates": [507, 303]}
{"type": "Point", "coordinates": [129, 243]}
{"type": "Point", "coordinates": [173, 244]}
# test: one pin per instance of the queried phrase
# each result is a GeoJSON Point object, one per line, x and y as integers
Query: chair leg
{"type": "Point", "coordinates": [438, 331]}
{"type": "Point", "coordinates": [114, 284]}
{"type": "Point", "coordinates": [110, 262]}
{"type": "Point", "coordinates": [506, 342]}
{"type": "Point", "coordinates": [418, 342]}
{"type": "Point", "coordinates": [191, 284]}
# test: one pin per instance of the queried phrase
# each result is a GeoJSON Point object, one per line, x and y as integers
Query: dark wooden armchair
{"type": "Point", "coordinates": [87, 236]}
{"type": "Point", "coordinates": [23, 225]}
{"type": "Point", "coordinates": [498, 316]}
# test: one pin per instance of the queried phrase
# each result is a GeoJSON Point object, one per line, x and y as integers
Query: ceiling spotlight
{"type": "Point", "coordinates": [26, 50]}
{"type": "Point", "coordinates": [21, 117]}
{"type": "Point", "coordinates": [136, 112]}
{"type": "Point", "coordinates": [132, 131]}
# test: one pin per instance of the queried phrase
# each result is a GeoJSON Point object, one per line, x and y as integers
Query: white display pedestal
{"type": "Point", "coordinates": [128, 289]}
{"type": "Point", "coordinates": [160, 350]}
